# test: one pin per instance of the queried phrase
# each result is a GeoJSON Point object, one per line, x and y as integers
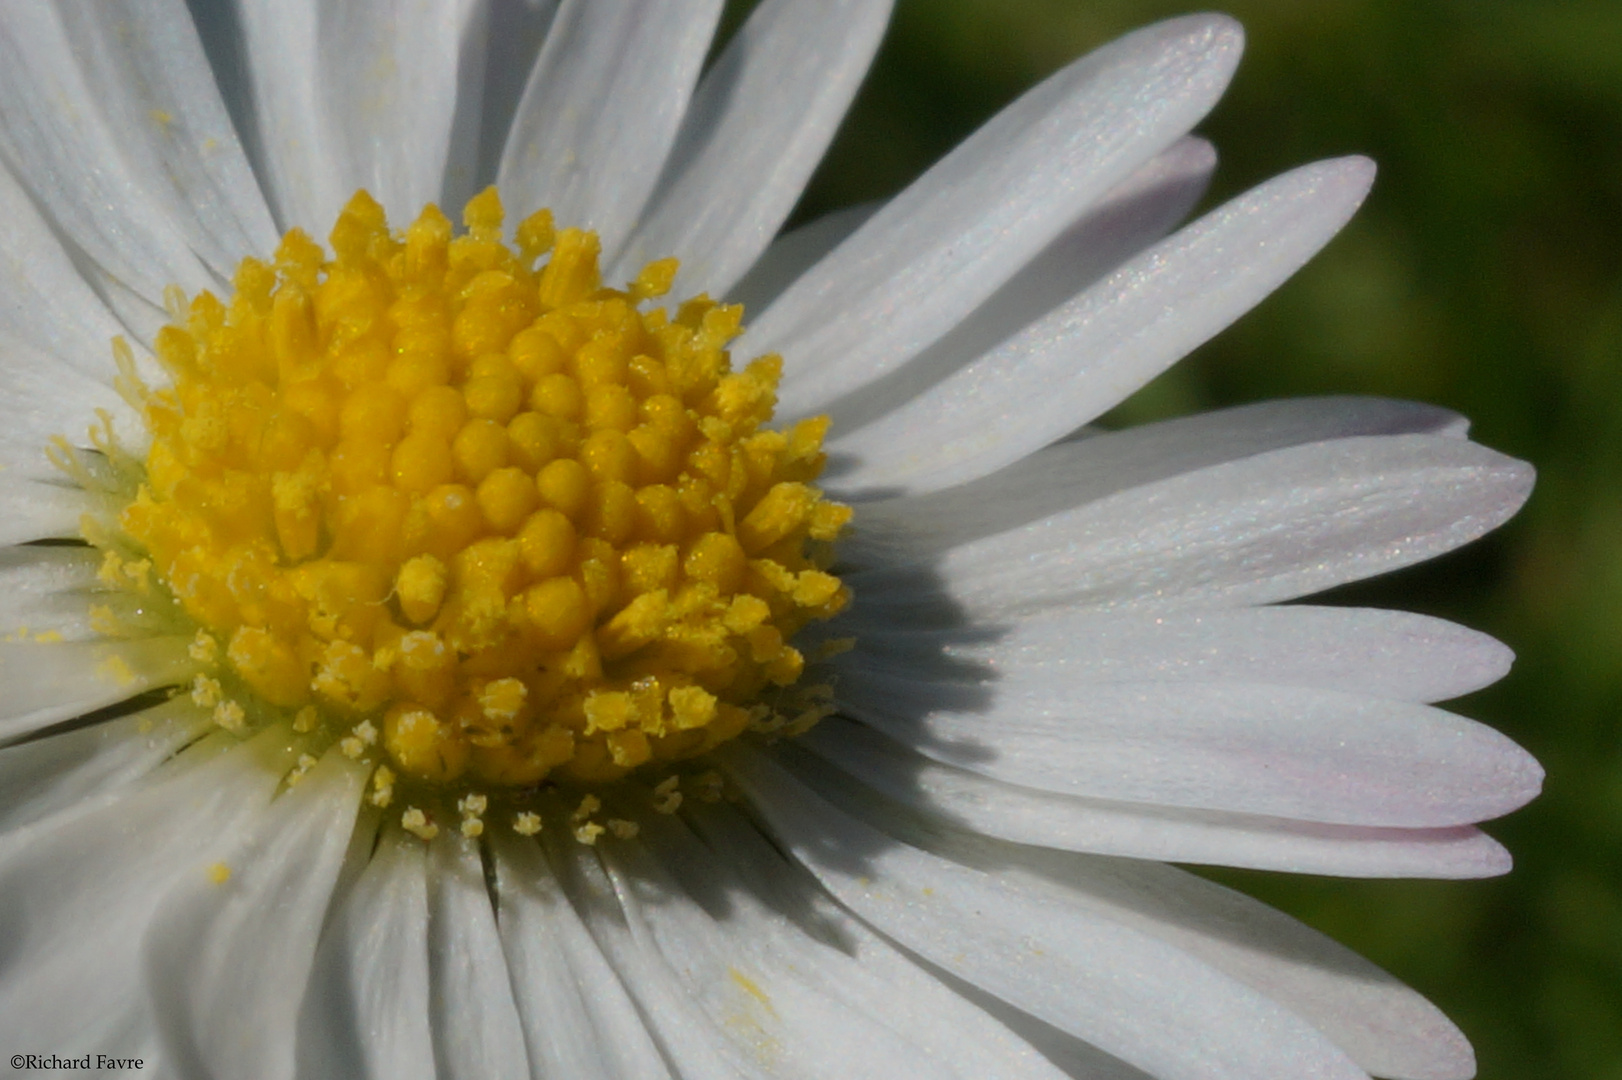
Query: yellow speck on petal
{"type": "Point", "coordinates": [666, 798]}
{"type": "Point", "coordinates": [750, 987]}
{"type": "Point", "coordinates": [219, 873]}
{"type": "Point", "coordinates": [415, 822]}
{"type": "Point", "coordinates": [527, 823]}
{"type": "Point", "coordinates": [623, 829]}
{"type": "Point", "coordinates": [116, 669]}
{"type": "Point", "coordinates": [204, 648]}
{"type": "Point", "coordinates": [231, 716]}
{"type": "Point", "coordinates": [587, 832]}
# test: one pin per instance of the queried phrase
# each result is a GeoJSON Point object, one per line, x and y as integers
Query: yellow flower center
{"type": "Point", "coordinates": [464, 507]}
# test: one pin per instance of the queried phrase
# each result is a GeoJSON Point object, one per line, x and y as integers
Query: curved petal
{"type": "Point", "coordinates": [1391, 654]}
{"type": "Point", "coordinates": [1085, 356]}
{"type": "Point", "coordinates": [44, 776]}
{"type": "Point", "coordinates": [1125, 991]}
{"type": "Point", "coordinates": [1258, 530]}
{"type": "Point", "coordinates": [391, 76]}
{"type": "Point", "coordinates": [475, 1022]}
{"type": "Point", "coordinates": [82, 886]}
{"type": "Point", "coordinates": [601, 110]}
{"type": "Point", "coordinates": [44, 301]}
{"type": "Point", "coordinates": [57, 138]}
{"type": "Point", "coordinates": [45, 590]}
{"type": "Point", "coordinates": [366, 1012]}
{"type": "Point", "coordinates": [144, 65]}
{"type": "Point", "coordinates": [1311, 755]}
{"type": "Point", "coordinates": [293, 143]}
{"type": "Point", "coordinates": [759, 123]}
{"type": "Point", "coordinates": [227, 962]}
{"type": "Point", "coordinates": [1025, 815]}
{"type": "Point", "coordinates": [985, 210]}
{"type": "Point", "coordinates": [45, 399]}
{"type": "Point", "coordinates": [47, 682]}
{"type": "Point", "coordinates": [578, 1020]}
{"type": "Point", "coordinates": [793, 253]}
{"type": "Point", "coordinates": [762, 898]}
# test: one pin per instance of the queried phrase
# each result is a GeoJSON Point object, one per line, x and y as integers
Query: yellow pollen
{"type": "Point", "coordinates": [219, 873]}
{"type": "Point", "coordinates": [467, 509]}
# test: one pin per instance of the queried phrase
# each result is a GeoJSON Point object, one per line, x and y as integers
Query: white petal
{"type": "Point", "coordinates": [685, 1037]}
{"type": "Point", "coordinates": [366, 1013]}
{"type": "Point", "coordinates": [1143, 831]}
{"type": "Point", "coordinates": [1262, 529]}
{"type": "Point", "coordinates": [1131, 216]}
{"type": "Point", "coordinates": [46, 398]}
{"type": "Point", "coordinates": [601, 110]}
{"type": "Point", "coordinates": [514, 33]}
{"type": "Point", "coordinates": [45, 589]}
{"type": "Point", "coordinates": [1384, 1026]}
{"type": "Point", "coordinates": [42, 509]}
{"type": "Point", "coordinates": [475, 1022]}
{"type": "Point", "coordinates": [58, 140]}
{"type": "Point", "coordinates": [389, 75]}
{"type": "Point", "coordinates": [83, 885]}
{"type": "Point", "coordinates": [1105, 463]}
{"type": "Point", "coordinates": [767, 911]}
{"type": "Point", "coordinates": [46, 682]}
{"type": "Point", "coordinates": [43, 299]}
{"type": "Point", "coordinates": [1083, 357]}
{"type": "Point", "coordinates": [227, 964]}
{"type": "Point", "coordinates": [793, 253]}
{"type": "Point", "coordinates": [969, 224]}
{"type": "Point", "coordinates": [578, 1020]}
{"type": "Point", "coordinates": [1123, 990]}
{"type": "Point", "coordinates": [144, 66]}
{"type": "Point", "coordinates": [777, 1003]}
{"type": "Point", "coordinates": [758, 124]}
{"type": "Point", "coordinates": [1312, 755]}
{"type": "Point", "coordinates": [41, 777]}
{"type": "Point", "coordinates": [292, 140]}
{"type": "Point", "coordinates": [1355, 650]}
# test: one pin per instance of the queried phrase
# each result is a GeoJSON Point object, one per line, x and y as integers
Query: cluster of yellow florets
{"type": "Point", "coordinates": [519, 522]}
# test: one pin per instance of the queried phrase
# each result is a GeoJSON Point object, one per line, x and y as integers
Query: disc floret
{"type": "Point", "coordinates": [457, 505]}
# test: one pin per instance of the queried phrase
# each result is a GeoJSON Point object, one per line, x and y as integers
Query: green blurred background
{"type": "Point", "coordinates": [1484, 274]}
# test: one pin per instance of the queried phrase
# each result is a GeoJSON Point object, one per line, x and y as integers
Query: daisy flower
{"type": "Point", "coordinates": [471, 648]}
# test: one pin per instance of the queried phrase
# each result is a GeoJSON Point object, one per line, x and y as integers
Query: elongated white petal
{"type": "Point", "coordinates": [1267, 528]}
{"type": "Point", "coordinates": [1131, 216]}
{"type": "Point", "coordinates": [366, 1012]}
{"type": "Point", "coordinates": [787, 928]}
{"type": "Point", "coordinates": [1312, 755]}
{"type": "Point", "coordinates": [514, 34]}
{"type": "Point", "coordinates": [793, 253]}
{"type": "Point", "coordinates": [601, 110]}
{"type": "Point", "coordinates": [45, 590]}
{"type": "Point", "coordinates": [45, 399]}
{"type": "Point", "coordinates": [969, 224]}
{"type": "Point", "coordinates": [41, 509]}
{"type": "Point", "coordinates": [578, 1020]}
{"type": "Point", "coordinates": [1386, 1027]}
{"type": "Point", "coordinates": [680, 1028]}
{"type": "Point", "coordinates": [43, 299]}
{"type": "Point", "coordinates": [1354, 650]}
{"type": "Point", "coordinates": [1025, 815]}
{"type": "Point", "coordinates": [1066, 368]}
{"type": "Point", "coordinates": [475, 1022]}
{"type": "Point", "coordinates": [46, 682]}
{"type": "Point", "coordinates": [782, 1000]}
{"type": "Point", "coordinates": [389, 76]}
{"type": "Point", "coordinates": [227, 963]}
{"type": "Point", "coordinates": [59, 140]}
{"type": "Point", "coordinates": [1121, 989]}
{"type": "Point", "coordinates": [83, 885]}
{"type": "Point", "coordinates": [758, 124]}
{"type": "Point", "coordinates": [41, 777]}
{"type": "Point", "coordinates": [144, 65]}
{"type": "Point", "coordinates": [293, 145]}
{"type": "Point", "coordinates": [1087, 470]}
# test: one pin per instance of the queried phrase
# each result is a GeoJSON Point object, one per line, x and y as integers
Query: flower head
{"type": "Point", "coordinates": [502, 652]}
